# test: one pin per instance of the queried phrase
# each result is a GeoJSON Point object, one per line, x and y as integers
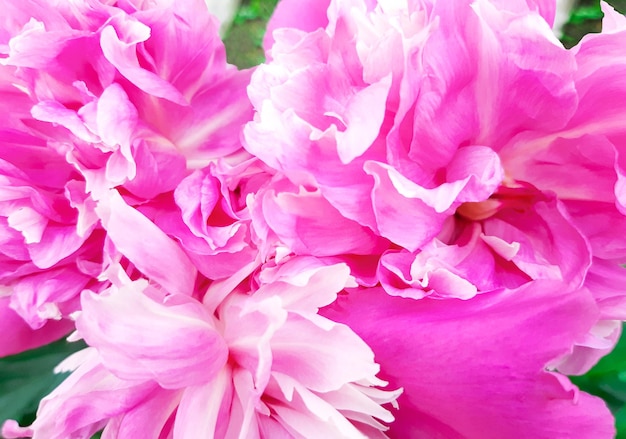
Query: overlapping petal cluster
{"type": "Point", "coordinates": [395, 227]}
{"type": "Point", "coordinates": [98, 98]}
{"type": "Point", "coordinates": [258, 363]}
{"type": "Point", "coordinates": [453, 141]}
{"type": "Point", "coordinates": [126, 216]}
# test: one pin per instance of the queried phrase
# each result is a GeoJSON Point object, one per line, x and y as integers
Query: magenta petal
{"type": "Point", "coordinates": [309, 224]}
{"type": "Point", "coordinates": [494, 349]}
{"type": "Point", "coordinates": [22, 336]}
{"type": "Point", "coordinates": [36, 298]}
{"type": "Point", "coordinates": [57, 242]}
{"type": "Point", "coordinates": [116, 116]}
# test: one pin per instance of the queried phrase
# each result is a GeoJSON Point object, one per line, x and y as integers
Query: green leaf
{"type": "Point", "coordinates": [585, 13]}
{"type": "Point", "coordinates": [244, 38]}
{"type": "Point", "coordinates": [27, 377]}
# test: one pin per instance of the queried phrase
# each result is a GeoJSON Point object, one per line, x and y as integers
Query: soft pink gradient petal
{"type": "Point", "coordinates": [137, 238]}
{"type": "Point", "coordinates": [139, 338]}
{"type": "Point", "coordinates": [309, 224]}
{"type": "Point", "coordinates": [36, 298]}
{"type": "Point", "coordinates": [120, 51]}
{"type": "Point", "coordinates": [233, 371]}
{"type": "Point", "coordinates": [306, 16]}
{"type": "Point", "coordinates": [152, 419]}
{"type": "Point", "coordinates": [612, 21]}
{"type": "Point", "coordinates": [71, 409]}
{"type": "Point", "coordinates": [200, 412]}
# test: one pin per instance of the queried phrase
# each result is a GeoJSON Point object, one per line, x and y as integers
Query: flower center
{"type": "Point", "coordinates": [511, 195]}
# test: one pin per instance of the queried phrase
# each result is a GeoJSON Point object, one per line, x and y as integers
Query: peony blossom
{"type": "Point", "coordinates": [444, 128]}
{"type": "Point", "coordinates": [398, 232]}
{"type": "Point", "coordinates": [96, 97]}
{"type": "Point", "coordinates": [51, 247]}
{"type": "Point", "coordinates": [236, 363]}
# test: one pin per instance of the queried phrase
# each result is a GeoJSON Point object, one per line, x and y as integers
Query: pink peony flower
{"type": "Point", "coordinates": [420, 204]}
{"type": "Point", "coordinates": [95, 96]}
{"type": "Point", "coordinates": [210, 217]}
{"type": "Point", "coordinates": [583, 165]}
{"type": "Point", "coordinates": [131, 87]}
{"type": "Point", "coordinates": [257, 361]}
{"type": "Point", "coordinates": [437, 126]}
{"type": "Point", "coordinates": [50, 248]}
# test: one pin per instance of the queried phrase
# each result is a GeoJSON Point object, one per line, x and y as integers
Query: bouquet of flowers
{"type": "Point", "coordinates": [407, 223]}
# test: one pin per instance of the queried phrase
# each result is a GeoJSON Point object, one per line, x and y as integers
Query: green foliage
{"type": "Point", "coordinates": [27, 377]}
{"type": "Point", "coordinates": [619, 5]}
{"type": "Point", "coordinates": [255, 10]}
{"type": "Point", "coordinates": [587, 18]}
{"type": "Point", "coordinates": [586, 13]}
{"type": "Point", "coordinates": [245, 37]}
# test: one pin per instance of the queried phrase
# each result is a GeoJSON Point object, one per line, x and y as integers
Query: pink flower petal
{"type": "Point", "coordinates": [293, 14]}
{"type": "Point", "coordinates": [22, 336]}
{"type": "Point", "coordinates": [137, 238]}
{"type": "Point", "coordinates": [120, 51]}
{"type": "Point", "coordinates": [494, 362]}
{"type": "Point", "coordinates": [141, 339]}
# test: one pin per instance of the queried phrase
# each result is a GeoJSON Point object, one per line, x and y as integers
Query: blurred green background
{"type": "Point", "coordinates": [26, 378]}
{"type": "Point", "coordinates": [244, 38]}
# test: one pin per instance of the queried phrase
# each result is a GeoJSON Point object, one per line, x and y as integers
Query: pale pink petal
{"type": "Point", "coordinates": [116, 116]}
{"type": "Point", "coordinates": [137, 238]}
{"type": "Point", "coordinates": [612, 21]}
{"type": "Point", "coordinates": [294, 14]}
{"type": "Point", "coordinates": [148, 420]}
{"type": "Point", "coordinates": [308, 224]}
{"type": "Point", "coordinates": [250, 344]}
{"type": "Point", "coordinates": [304, 410]}
{"type": "Point", "coordinates": [141, 339]}
{"type": "Point", "coordinates": [305, 284]}
{"type": "Point", "coordinates": [120, 51]}
{"type": "Point", "coordinates": [310, 363]}
{"type": "Point", "coordinates": [361, 121]}
{"type": "Point", "coordinates": [200, 412]}
{"type": "Point", "coordinates": [71, 410]}
{"type": "Point", "coordinates": [36, 298]}
{"type": "Point", "coordinates": [599, 342]}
